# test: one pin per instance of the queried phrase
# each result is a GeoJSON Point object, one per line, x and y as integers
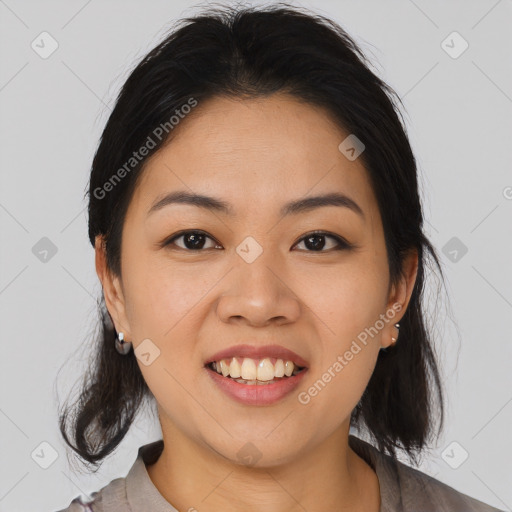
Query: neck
{"type": "Point", "coordinates": [332, 475]}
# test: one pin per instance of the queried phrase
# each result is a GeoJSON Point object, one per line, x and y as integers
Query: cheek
{"type": "Point", "coordinates": [164, 307]}
{"type": "Point", "coordinates": [349, 306]}
{"type": "Point", "coordinates": [346, 298]}
{"type": "Point", "coordinates": [347, 303]}
{"type": "Point", "coordinates": [162, 297]}
{"type": "Point", "coordinates": [337, 389]}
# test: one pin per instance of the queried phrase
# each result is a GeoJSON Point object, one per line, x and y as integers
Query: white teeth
{"type": "Point", "coordinates": [250, 371]}
{"type": "Point", "coordinates": [234, 369]}
{"type": "Point", "coordinates": [252, 382]}
{"type": "Point", "coordinates": [279, 368]}
{"type": "Point", "coordinates": [224, 368]}
{"type": "Point", "coordinates": [265, 370]}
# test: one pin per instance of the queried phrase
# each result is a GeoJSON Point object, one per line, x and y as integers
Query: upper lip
{"type": "Point", "coordinates": [258, 352]}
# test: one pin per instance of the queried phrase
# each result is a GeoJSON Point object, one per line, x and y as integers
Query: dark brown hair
{"type": "Point", "coordinates": [255, 52]}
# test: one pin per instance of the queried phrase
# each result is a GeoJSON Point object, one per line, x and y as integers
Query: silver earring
{"type": "Point", "coordinates": [385, 349]}
{"type": "Point", "coordinates": [394, 339]}
{"type": "Point", "coordinates": [123, 347]}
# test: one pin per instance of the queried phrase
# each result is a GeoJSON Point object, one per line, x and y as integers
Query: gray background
{"type": "Point", "coordinates": [459, 118]}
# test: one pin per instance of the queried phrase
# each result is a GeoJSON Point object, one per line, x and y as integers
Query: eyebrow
{"type": "Point", "coordinates": [294, 207]}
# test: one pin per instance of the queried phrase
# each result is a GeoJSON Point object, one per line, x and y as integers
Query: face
{"type": "Point", "coordinates": [255, 275]}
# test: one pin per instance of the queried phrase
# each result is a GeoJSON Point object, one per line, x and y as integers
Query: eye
{"type": "Point", "coordinates": [315, 241]}
{"type": "Point", "coordinates": [195, 240]}
{"type": "Point", "coordinates": [192, 240]}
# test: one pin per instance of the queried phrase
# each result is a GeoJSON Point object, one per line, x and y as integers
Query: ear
{"type": "Point", "coordinates": [400, 295]}
{"type": "Point", "coordinates": [112, 290]}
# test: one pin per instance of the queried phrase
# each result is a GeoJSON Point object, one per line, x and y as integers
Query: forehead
{"type": "Point", "coordinates": [255, 153]}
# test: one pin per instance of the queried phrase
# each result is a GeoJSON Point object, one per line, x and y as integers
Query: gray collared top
{"type": "Point", "coordinates": [402, 488]}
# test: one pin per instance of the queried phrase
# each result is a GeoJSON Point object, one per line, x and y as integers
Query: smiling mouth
{"type": "Point", "coordinates": [255, 372]}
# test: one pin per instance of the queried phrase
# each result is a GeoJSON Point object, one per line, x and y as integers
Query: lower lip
{"type": "Point", "coordinates": [254, 394]}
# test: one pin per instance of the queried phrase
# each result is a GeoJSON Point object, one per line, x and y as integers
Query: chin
{"type": "Point", "coordinates": [255, 451]}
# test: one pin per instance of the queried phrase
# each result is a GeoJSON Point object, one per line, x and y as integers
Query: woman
{"type": "Point", "coordinates": [254, 209]}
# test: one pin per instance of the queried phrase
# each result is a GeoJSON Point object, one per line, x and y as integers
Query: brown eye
{"type": "Point", "coordinates": [192, 240]}
{"type": "Point", "coordinates": [316, 242]}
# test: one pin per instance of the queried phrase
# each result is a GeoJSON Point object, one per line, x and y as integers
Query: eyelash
{"type": "Point", "coordinates": [342, 244]}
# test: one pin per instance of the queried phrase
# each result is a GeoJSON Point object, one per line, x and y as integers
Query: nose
{"type": "Point", "coordinates": [258, 294]}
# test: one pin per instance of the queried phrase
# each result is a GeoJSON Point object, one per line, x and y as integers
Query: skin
{"type": "Point", "coordinates": [256, 155]}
